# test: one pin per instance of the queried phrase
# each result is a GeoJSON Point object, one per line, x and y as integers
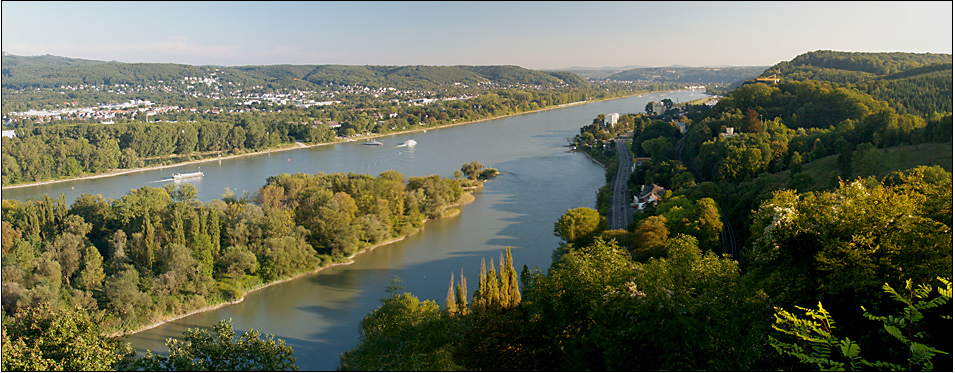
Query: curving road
{"type": "Point", "coordinates": [620, 211]}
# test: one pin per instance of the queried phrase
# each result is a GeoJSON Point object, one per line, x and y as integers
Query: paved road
{"type": "Point", "coordinates": [620, 211]}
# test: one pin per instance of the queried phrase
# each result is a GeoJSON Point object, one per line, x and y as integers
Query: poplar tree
{"type": "Point", "coordinates": [92, 275]}
{"type": "Point", "coordinates": [214, 233]}
{"type": "Point", "coordinates": [178, 230]}
{"type": "Point", "coordinates": [462, 297]}
{"type": "Point", "coordinates": [493, 297]}
{"type": "Point", "coordinates": [195, 226]}
{"type": "Point", "coordinates": [450, 303]}
{"type": "Point", "coordinates": [480, 300]}
{"type": "Point", "coordinates": [508, 272]}
{"type": "Point", "coordinates": [505, 289]}
{"type": "Point", "coordinates": [149, 236]}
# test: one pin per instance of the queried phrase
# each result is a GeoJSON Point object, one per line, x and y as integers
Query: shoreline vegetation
{"type": "Point", "coordinates": [298, 145]}
{"type": "Point", "coordinates": [454, 209]}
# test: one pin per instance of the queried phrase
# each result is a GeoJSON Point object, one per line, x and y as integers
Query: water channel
{"type": "Point", "coordinates": [318, 315]}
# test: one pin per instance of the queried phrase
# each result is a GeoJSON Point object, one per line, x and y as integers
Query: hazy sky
{"type": "Point", "coordinates": [535, 35]}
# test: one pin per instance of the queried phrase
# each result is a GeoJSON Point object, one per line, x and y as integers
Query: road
{"type": "Point", "coordinates": [620, 211]}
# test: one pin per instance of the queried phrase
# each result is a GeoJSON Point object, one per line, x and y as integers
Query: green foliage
{"type": "Point", "coordinates": [404, 334]}
{"type": "Point", "coordinates": [832, 245]}
{"type": "Point", "coordinates": [220, 350]}
{"type": "Point", "coordinates": [477, 171]}
{"type": "Point", "coordinates": [813, 340]}
{"type": "Point", "coordinates": [579, 225]}
{"type": "Point", "coordinates": [44, 338]}
{"type": "Point", "coordinates": [158, 252]}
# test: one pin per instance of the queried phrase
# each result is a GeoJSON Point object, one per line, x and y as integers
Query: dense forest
{"type": "Point", "coordinates": [840, 192]}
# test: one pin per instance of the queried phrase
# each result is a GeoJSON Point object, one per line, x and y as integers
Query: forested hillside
{"type": "Point", "coordinates": [837, 183]}
{"type": "Point", "coordinates": [851, 67]}
{"type": "Point", "coordinates": [919, 84]}
{"type": "Point", "coordinates": [21, 72]}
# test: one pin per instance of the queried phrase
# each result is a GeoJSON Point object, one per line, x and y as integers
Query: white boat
{"type": "Point", "coordinates": [179, 176]}
{"type": "Point", "coordinates": [409, 143]}
{"type": "Point", "coordinates": [374, 142]}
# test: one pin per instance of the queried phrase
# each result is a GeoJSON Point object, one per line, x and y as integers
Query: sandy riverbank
{"type": "Point", "coordinates": [301, 145]}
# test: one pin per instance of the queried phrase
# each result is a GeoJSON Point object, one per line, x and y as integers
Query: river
{"type": "Point", "coordinates": [318, 315]}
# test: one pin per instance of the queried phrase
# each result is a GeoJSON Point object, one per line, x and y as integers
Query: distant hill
{"type": "Point", "coordinates": [912, 83]}
{"type": "Point", "coordinates": [48, 71]}
{"type": "Point", "coordinates": [690, 75]}
{"type": "Point", "coordinates": [851, 67]}
{"type": "Point", "coordinates": [597, 72]}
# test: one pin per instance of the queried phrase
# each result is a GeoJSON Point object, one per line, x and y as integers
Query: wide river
{"type": "Point", "coordinates": [318, 315]}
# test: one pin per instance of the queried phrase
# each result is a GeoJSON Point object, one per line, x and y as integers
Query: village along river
{"type": "Point", "coordinates": [318, 315]}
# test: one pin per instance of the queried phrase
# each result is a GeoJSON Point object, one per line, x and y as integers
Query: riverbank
{"type": "Point", "coordinates": [301, 145]}
{"type": "Point", "coordinates": [454, 209]}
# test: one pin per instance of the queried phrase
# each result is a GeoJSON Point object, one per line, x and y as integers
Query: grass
{"type": "Point", "coordinates": [825, 171]}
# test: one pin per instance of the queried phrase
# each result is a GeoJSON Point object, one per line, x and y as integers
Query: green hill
{"type": "Point", "coordinates": [912, 83]}
{"type": "Point", "coordinates": [21, 72]}
{"type": "Point", "coordinates": [851, 67]}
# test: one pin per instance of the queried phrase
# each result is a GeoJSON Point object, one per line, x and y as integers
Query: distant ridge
{"type": "Point", "coordinates": [51, 71]}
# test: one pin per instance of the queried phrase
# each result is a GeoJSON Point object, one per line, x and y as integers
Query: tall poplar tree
{"type": "Point", "coordinates": [508, 272]}
{"type": "Point", "coordinates": [462, 296]}
{"type": "Point", "coordinates": [149, 236]}
{"type": "Point", "coordinates": [493, 297]}
{"type": "Point", "coordinates": [480, 302]}
{"type": "Point", "coordinates": [450, 304]}
{"type": "Point", "coordinates": [214, 233]}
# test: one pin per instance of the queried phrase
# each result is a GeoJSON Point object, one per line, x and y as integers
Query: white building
{"type": "Point", "coordinates": [611, 119]}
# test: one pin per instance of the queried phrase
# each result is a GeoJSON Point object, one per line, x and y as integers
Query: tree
{"type": "Point", "coordinates": [43, 338]}
{"type": "Point", "coordinates": [220, 351]}
{"type": "Point", "coordinates": [578, 225]}
{"type": "Point", "coordinates": [650, 236]}
{"type": "Point", "coordinates": [403, 334]}
{"type": "Point", "coordinates": [659, 148]}
{"type": "Point", "coordinates": [826, 246]}
{"type": "Point", "coordinates": [92, 275]}
{"type": "Point", "coordinates": [472, 170]}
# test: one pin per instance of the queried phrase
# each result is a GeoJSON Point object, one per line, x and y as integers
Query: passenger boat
{"type": "Point", "coordinates": [180, 176]}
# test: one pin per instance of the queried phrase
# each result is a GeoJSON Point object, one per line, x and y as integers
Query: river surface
{"type": "Point", "coordinates": [318, 315]}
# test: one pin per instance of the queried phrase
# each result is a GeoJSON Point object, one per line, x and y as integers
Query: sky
{"type": "Point", "coordinates": [534, 35]}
